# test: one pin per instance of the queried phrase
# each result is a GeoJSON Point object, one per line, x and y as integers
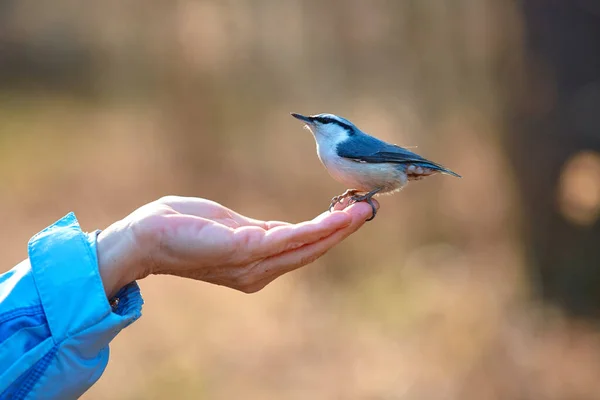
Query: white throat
{"type": "Point", "coordinates": [327, 140]}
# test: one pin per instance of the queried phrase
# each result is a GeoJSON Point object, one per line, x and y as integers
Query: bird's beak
{"type": "Point", "coordinates": [302, 118]}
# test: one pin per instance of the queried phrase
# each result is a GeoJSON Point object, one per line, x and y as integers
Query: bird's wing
{"type": "Point", "coordinates": [372, 150]}
{"type": "Point", "coordinates": [367, 150]}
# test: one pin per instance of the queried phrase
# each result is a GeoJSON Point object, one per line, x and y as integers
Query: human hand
{"type": "Point", "coordinates": [200, 239]}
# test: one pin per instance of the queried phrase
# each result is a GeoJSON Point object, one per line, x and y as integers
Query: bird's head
{"type": "Point", "coordinates": [328, 127]}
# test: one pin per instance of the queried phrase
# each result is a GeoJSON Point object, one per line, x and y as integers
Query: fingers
{"type": "Point", "coordinates": [288, 237]}
{"type": "Point", "coordinates": [344, 204]}
{"type": "Point", "coordinates": [214, 211]}
{"type": "Point", "coordinates": [257, 239]}
{"type": "Point", "coordinates": [280, 264]}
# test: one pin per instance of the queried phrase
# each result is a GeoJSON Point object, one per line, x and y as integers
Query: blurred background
{"type": "Point", "coordinates": [487, 287]}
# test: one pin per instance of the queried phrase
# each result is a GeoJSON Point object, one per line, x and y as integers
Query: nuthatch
{"type": "Point", "coordinates": [365, 164]}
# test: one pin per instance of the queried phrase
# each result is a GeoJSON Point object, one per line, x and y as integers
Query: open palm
{"type": "Point", "coordinates": [203, 240]}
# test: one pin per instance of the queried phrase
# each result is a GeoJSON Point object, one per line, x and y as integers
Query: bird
{"type": "Point", "coordinates": [366, 165]}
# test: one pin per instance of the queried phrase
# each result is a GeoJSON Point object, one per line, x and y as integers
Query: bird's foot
{"type": "Point", "coordinates": [341, 197]}
{"type": "Point", "coordinates": [368, 198]}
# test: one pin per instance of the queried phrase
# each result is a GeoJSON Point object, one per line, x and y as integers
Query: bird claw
{"type": "Point", "coordinates": [355, 198]}
{"type": "Point", "coordinates": [340, 198]}
{"type": "Point", "coordinates": [368, 198]}
{"type": "Point", "coordinates": [334, 201]}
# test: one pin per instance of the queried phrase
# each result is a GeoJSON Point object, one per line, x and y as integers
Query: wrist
{"type": "Point", "coordinates": [118, 260]}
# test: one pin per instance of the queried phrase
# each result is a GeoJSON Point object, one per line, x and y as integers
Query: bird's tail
{"type": "Point", "coordinates": [435, 167]}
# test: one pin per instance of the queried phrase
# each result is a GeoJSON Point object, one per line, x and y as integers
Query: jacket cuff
{"type": "Point", "coordinates": [65, 270]}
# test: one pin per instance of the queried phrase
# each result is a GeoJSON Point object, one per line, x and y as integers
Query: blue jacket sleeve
{"type": "Point", "coordinates": [55, 320]}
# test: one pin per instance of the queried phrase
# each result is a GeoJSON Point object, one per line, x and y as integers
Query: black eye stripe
{"type": "Point", "coordinates": [327, 120]}
{"type": "Point", "coordinates": [323, 120]}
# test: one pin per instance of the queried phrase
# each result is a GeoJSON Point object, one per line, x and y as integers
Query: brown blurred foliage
{"type": "Point", "coordinates": [108, 105]}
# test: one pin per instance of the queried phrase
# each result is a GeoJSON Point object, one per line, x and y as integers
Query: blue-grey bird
{"type": "Point", "coordinates": [363, 163]}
